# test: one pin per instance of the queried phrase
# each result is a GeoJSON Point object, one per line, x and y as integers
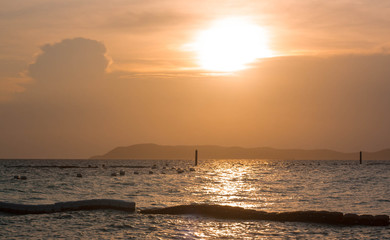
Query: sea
{"type": "Point", "coordinates": [267, 185]}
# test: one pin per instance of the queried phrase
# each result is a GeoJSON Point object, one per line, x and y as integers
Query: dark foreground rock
{"type": "Point", "coordinates": [228, 212]}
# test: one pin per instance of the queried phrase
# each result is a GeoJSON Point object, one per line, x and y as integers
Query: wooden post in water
{"type": "Point", "coordinates": [196, 157]}
{"type": "Point", "coordinates": [361, 158]}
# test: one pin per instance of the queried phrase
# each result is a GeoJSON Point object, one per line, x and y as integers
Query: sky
{"type": "Point", "coordinates": [78, 78]}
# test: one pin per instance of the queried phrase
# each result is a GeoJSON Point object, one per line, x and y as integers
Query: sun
{"type": "Point", "coordinates": [230, 44]}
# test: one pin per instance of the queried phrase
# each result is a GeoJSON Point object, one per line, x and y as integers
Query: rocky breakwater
{"type": "Point", "coordinates": [228, 212]}
{"type": "Point", "coordinates": [92, 204]}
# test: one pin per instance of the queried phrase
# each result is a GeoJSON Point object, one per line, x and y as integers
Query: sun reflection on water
{"type": "Point", "coordinates": [233, 184]}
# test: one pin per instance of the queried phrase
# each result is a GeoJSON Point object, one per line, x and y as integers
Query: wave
{"type": "Point", "coordinates": [92, 204]}
{"type": "Point", "coordinates": [238, 213]}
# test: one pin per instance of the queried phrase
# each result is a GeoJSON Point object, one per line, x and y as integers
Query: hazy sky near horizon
{"type": "Point", "coordinates": [78, 78]}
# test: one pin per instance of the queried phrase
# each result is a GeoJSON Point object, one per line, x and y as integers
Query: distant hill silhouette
{"type": "Point", "coordinates": [154, 151]}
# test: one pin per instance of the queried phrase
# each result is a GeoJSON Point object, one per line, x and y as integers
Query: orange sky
{"type": "Point", "coordinates": [78, 78]}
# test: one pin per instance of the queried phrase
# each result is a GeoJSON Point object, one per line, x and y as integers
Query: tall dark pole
{"type": "Point", "coordinates": [361, 157]}
{"type": "Point", "coordinates": [196, 157]}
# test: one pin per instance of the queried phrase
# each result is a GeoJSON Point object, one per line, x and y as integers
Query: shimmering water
{"type": "Point", "coordinates": [275, 185]}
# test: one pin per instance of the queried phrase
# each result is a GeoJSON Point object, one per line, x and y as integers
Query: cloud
{"type": "Point", "coordinates": [325, 26]}
{"type": "Point", "coordinates": [337, 102]}
{"type": "Point", "coordinates": [12, 79]}
{"type": "Point", "coordinates": [69, 66]}
{"type": "Point", "coordinates": [73, 69]}
{"type": "Point", "coordinates": [66, 94]}
{"type": "Point", "coordinates": [70, 60]}
{"type": "Point", "coordinates": [149, 22]}
{"type": "Point", "coordinates": [10, 86]}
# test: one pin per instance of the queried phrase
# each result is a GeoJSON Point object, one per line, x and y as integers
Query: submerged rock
{"type": "Point", "coordinates": [228, 212]}
{"type": "Point", "coordinates": [365, 220]}
{"type": "Point", "coordinates": [381, 220]}
{"type": "Point", "coordinates": [351, 219]}
{"type": "Point", "coordinates": [93, 204]}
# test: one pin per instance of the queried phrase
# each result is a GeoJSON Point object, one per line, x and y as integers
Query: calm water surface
{"type": "Point", "coordinates": [269, 185]}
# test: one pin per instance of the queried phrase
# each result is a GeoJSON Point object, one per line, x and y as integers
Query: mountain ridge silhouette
{"type": "Point", "coordinates": [186, 152]}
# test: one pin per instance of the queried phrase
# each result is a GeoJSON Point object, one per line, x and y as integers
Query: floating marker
{"type": "Point", "coordinates": [196, 157]}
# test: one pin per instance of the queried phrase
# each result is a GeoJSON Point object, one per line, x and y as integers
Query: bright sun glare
{"type": "Point", "coordinates": [230, 44]}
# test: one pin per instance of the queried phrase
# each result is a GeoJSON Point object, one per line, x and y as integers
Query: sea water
{"type": "Point", "coordinates": [268, 185]}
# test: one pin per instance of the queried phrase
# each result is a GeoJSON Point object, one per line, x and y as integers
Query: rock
{"type": "Point", "coordinates": [350, 219]}
{"type": "Point", "coordinates": [381, 220]}
{"type": "Point", "coordinates": [79, 175]}
{"type": "Point", "coordinates": [366, 220]}
{"type": "Point", "coordinates": [92, 204]}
